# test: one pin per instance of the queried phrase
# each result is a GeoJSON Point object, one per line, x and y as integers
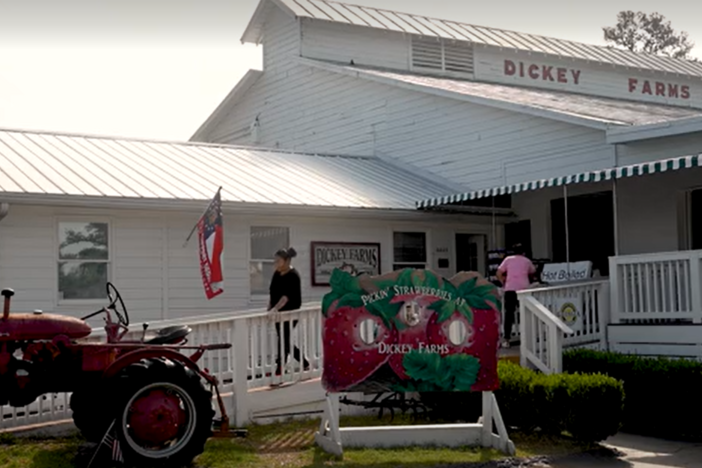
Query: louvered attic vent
{"type": "Point", "coordinates": [433, 54]}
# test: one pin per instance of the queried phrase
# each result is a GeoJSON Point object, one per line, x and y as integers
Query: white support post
{"type": "Point", "coordinates": [614, 291]}
{"type": "Point", "coordinates": [695, 287]}
{"type": "Point", "coordinates": [524, 335]}
{"type": "Point", "coordinates": [329, 435]}
{"type": "Point", "coordinates": [604, 315]}
{"type": "Point", "coordinates": [487, 419]}
{"type": "Point", "coordinates": [240, 356]}
{"type": "Point", "coordinates": [555, 349]}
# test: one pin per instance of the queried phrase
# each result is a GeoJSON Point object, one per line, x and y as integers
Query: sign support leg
{"type": "Point", "coordinates": [329, 436]}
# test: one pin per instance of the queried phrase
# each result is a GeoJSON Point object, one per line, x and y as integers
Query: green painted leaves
{"type": "Point", "coordinates": [455, 372]}
{"type": "Point", "coordinates": [346, 288]}
{"type": "Point", "coordinates": [479, 297]}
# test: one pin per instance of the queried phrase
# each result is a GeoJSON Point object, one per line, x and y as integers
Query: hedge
{"type": "Point", "coordinates": [663, 395]}
{"type": "Point", "coordinates": [589, 407]}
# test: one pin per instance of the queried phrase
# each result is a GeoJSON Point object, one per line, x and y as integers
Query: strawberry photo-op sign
{"type": "Point", "coordinates": [410, 330]}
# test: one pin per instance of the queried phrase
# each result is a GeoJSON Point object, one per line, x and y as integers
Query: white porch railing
{"type": "Point", "coordinates": [543, 333]}
{"type": "Point", "coordinates": [249, 365]}
{"type": "Point", "coordinates": [591, 300]}
{"type": "Point", "coordinates": [656, 288]}
{"type": "Point", "coordinates": [541, 336]}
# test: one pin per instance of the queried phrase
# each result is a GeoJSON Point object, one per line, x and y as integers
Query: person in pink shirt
{"type": "Point", "coordinates": [515, 273]}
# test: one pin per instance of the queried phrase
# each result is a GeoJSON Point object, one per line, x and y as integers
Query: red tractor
{"type": "Point", "coordinates": [152, 392]}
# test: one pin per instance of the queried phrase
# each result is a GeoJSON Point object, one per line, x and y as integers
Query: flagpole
{"type": "Point", "coordinates": [198, 219]}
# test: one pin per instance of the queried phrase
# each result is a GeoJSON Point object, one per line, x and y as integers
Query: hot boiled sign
{"type": "Point", "coordinates": [410, 330]}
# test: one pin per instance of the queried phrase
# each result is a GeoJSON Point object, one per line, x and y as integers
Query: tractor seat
{"type": "Point", "coordinates": [170, 335]}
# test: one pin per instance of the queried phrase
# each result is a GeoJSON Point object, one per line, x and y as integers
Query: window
{"type": "Point", "coordinates": [265, 241]}
{"type": "Point", "coordinates": [83, 260]}
{"type": "Point", "coordinates": [438, 55]}
{"type": "Point", "coordinates": [409, 250]}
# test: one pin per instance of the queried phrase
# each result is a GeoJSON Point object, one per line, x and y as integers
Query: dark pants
{"type": "Point", "coordinates": [511, 306]}
{"type": "Point", "coordinates": [286, 345]}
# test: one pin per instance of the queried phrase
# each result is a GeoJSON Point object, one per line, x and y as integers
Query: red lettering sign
{"type": "Point", "coordinates": [542, 72]}
{"type": "Point", "coordinates": [659, 88]}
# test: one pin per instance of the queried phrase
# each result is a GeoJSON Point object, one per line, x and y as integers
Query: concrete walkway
{"type": "Point", "coordinates": [640, 452]}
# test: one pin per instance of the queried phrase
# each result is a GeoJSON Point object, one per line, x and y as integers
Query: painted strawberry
{"type": "Point", "coordinates": [438, 333]}
{"type": "Point", "coordinates": [486, 323]}
{"type": "Point", "coordinates": [348, 360]}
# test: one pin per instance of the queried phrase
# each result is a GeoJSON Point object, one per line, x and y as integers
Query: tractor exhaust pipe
{"type": "Point", "coordinates": [7, 293]}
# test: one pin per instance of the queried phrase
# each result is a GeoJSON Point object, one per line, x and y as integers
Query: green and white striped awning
{"type": "Point", "coordinates": [664, 165]}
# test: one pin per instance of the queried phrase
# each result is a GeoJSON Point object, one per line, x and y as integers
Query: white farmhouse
{"type": "Point", "coordinates": [553, 131]}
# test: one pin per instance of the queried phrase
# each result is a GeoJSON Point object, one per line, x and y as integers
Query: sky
{"type": "Point", "coordinates": [156, 69]}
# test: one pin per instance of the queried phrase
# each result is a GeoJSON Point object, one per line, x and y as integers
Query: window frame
{"type": "Point", "coordinates": [427, 242]}
{"type": "Point", "coordinates": [87, 219]}
{"type": "Point", "coordinates": [261, 297]}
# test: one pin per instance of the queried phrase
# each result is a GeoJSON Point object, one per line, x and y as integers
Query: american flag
{"type": "Point", "coordinates": [211, 246]}
{"type": "Point", "coordinates": [112, 443]}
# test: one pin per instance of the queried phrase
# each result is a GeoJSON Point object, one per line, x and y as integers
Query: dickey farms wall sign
{"type": "Point", "coordinates": [354, 258]}
{"type": "Point", "coordinates": [588, 78]}
{"type": "Point", "coordinates": [410, 330]}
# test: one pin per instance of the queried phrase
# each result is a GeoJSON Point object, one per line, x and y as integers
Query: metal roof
{"type": "Point", "coordinates": [34, 164]}
{"type": "Point", "coordinates": [599, 109]}
{"type": "Point", "coordinates": [425, 26]}
{"type": "Point", "coordinates": [653, 167]}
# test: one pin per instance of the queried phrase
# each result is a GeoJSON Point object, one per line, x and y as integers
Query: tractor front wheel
{"type": "Point", "coordinates": [164, 416]}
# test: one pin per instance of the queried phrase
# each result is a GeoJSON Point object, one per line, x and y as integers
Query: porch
{"type": "Point", "coordinates": [650, 305]}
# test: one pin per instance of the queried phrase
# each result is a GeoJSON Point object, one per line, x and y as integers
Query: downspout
{"type": "Point", "coordinates": [4, 210]}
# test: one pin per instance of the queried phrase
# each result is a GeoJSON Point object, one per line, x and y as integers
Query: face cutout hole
{"type": "Point", "coordinates": [457, 333]}
{"type": "Point", "coordinates": [369, 331]}
{"type": "Point", "coordinates": [410, 313]}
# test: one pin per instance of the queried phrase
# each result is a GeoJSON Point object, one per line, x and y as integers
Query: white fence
{"type": "Point", "coordinates": [657, 288]}
{"type": "Point", "coordinates": [249, 365]}
{"type": "Point", "coordinates": [556, 317]}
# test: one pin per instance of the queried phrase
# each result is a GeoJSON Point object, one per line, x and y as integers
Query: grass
{"type": "Point", "coordinates": [291, 445]}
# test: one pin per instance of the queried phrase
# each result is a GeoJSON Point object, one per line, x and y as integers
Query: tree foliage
{"type": "Point", "coordinates": [649, 33]}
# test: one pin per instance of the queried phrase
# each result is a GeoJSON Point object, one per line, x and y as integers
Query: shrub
{"type": "Point", "coordinates": [662, 394]}
{"type": "Point", "coordinates": [589, 407]}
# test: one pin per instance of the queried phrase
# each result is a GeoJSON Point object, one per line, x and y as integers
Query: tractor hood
{"type": "Point", "coordinates": [41, 326]}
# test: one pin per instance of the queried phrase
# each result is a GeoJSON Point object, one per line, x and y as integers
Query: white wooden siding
{"type": "Point", "coordinates": [160, 279]}
{"type": "Point", "coordinates": [365, 46]}
{"type": "Point", "coordinates": [281, 39]}
{"type": "Point", "coordinates": [594, 79]}
{"type": "Point", "coordinates": [480, 147]}
{"type": "Point", "coordinates": [659, 148]}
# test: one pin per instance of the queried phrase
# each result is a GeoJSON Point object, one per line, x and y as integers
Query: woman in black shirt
{"type": "Point", "coordinates": [286, 294]}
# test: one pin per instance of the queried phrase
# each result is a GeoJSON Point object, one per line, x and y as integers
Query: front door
{"type": "Point", "coordinates": [470, 252]}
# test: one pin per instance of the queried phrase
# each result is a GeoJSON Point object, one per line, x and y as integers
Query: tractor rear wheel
{"type": "Point", "coordinates": [89, 413]}
{"type": "Point", "coordinates": [164, 413]}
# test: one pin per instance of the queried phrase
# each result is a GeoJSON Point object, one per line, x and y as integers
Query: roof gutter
{"type": "Point", "coordinates": [195, 207]}
{"type": "Point", "coordinates": [634, 133]}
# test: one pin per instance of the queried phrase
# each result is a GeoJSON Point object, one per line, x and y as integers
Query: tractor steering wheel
{"type": "Point", "coordinates": [122, 316]}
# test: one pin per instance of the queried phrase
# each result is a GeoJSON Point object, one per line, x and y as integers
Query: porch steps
{"type": "Point", "coordinates": [509, 354]}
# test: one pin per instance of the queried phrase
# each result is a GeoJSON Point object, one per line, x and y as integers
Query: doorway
{"type": "Point", "coordinates": [695, 217]}
{"type": "Point", "coordinates": [470, 252]}
{"type": "Point", "coordinates": [590, 229]}
{"type": "Point", "coordinates": [519, 233]}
